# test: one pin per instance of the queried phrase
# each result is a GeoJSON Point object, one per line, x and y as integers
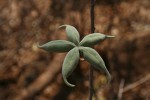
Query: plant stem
{"type": "Point", "coordinates": [91, 68]}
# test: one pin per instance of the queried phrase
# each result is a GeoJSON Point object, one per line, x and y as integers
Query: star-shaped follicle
{"type": "Point", "coordinates": [77, 49]}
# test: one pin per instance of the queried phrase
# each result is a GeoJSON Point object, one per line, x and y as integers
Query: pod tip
{"type": "Point", "coordinates": [67, 83]}
{"type": "Point", "coordinates": [109, 36]}
{"type": "Point", "coordinates": [62, 26]}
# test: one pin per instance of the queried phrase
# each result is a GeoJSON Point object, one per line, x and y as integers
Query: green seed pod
{"type": "Point", "coordinates": [72, 34]}
{"type": "Point", "coordinates": [93, 39]}
{"type": "Point", "coordinates": [94, 59]}
{"type": "Point", "coordinates": [58, 46]}
{"type": "Point", "coordinates": [70, 62]}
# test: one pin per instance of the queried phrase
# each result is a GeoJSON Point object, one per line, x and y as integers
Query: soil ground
{"type": "Point", "coordinates": [28, 73]}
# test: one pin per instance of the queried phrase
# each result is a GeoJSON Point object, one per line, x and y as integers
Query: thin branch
{"type": "Point", "coordinates": [91, 69]}
{"type": "Point", "coordinates": [120, 92]}
{"type": "Point", "coordinates": [137, 83]}
{"type": "Point", "coordinates": [43, 80]}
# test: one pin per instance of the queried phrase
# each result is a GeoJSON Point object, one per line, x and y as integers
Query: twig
{"type": "Point", "coordinates": [43, 80]}
{"type": "Point", "coordinates": [120, 92]}
{"type": "Point", "coordinates": [91, 69]}
{"type": "Point", "coordinates": [137, 83]}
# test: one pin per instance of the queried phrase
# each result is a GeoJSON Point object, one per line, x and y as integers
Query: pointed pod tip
{"type": "Point", "coordinates": [109, 36]}
{"type": "Point", "coordinates": [108, 77]}
{"type": "Point", "coordinates": [62, 26]}
{"type": "Point", "coordinates": [38, 45]}
{"type": "Point", "coordinates": [67, 83]}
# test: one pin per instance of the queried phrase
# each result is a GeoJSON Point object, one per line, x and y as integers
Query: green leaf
{"type": "Point", "coordinates": [58, 46]}
{"type": "Point", "coordinates": [93, 39]}
{"type": "Point", "coordinates": [72, 34]}
{"type": "Point", "coordinates": [94, 59]}
{"type": "Point", "coordinates": [70, 62]}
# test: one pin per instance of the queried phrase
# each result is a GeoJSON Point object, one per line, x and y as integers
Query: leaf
{"type": "Point", "coordinates": [72, 34]}
{"type": "Point", "coordinates": [93, 39]}
{"type": "Point", "coordinates": [94, 59]}
{"type": "Point", "coordinates": [58, 46]}
{"type": "Point", "coordinates": [70, 62]}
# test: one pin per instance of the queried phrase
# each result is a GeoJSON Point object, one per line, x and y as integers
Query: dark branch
{"type": "Point", "coordinates": [91, 69]}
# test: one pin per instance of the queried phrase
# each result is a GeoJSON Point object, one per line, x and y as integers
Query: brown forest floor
{"type": "Point", "coordinates": [28, 73]}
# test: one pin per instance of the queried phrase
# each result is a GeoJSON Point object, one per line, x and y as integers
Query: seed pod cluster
{"type": "Point", "coordinates": [75, 49]}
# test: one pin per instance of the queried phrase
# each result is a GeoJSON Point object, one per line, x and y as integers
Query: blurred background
{"type": "Point", "coordinates": [28, 73]}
